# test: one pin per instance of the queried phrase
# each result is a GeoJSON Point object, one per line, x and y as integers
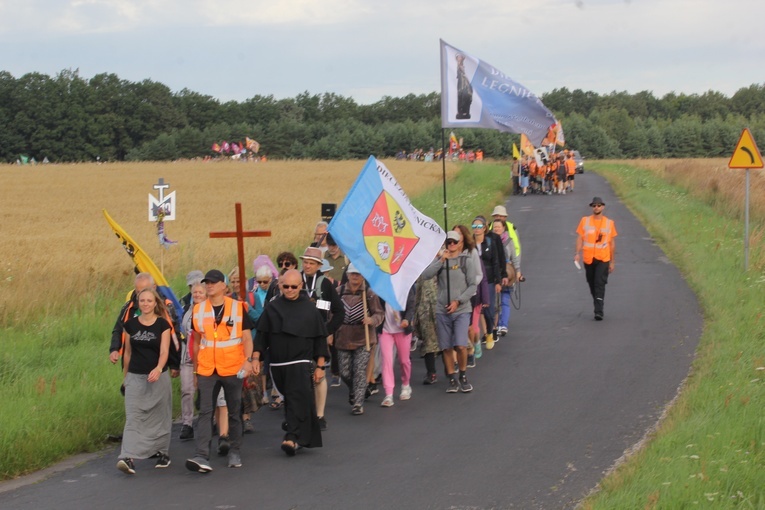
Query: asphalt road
{"type": "Point", "coordinates": [555, 403]}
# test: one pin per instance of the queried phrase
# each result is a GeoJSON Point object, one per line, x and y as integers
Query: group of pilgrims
{"type": "Point", "coordinates": [304, 326]}
{"type": "Point", "coordinates": [545, 175]}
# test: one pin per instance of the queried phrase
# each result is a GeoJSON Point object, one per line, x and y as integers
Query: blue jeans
{"type": "Point", "coordinates": [504, 307]}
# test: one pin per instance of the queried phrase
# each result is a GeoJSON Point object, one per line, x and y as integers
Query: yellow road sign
{"type": "Point", "coordinates": [746, 155]}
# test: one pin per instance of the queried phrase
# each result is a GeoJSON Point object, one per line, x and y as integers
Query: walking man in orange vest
{"type": "Point", "coordinates": [595, 242]}
{"type": "Point", "coordinates": [222, 358]}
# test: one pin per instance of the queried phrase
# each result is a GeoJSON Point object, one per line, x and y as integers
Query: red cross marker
{"type": "Point", "coordinates": [240, 235]}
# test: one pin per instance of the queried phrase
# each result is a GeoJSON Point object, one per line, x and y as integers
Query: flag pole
{"type": "Point", "coordinates": [446, 219]}
{"type": "Point", "coordinates": [443, 172]}
{"type": "Point", "coordinates": [364, 301]}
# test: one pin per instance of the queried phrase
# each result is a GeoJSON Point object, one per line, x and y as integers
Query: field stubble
{"type": "Point", "coordinates": [719, 186]}
{"type": "Point", "coordinates": [58, 250]}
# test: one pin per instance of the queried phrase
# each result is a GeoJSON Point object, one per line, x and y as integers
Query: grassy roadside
{"type": "Point", "coordinates": [60, 396]}
{"type": "Point", "coordinates": [710, 449]}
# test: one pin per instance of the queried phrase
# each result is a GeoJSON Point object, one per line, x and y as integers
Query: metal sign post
{"type": "Point", "coordinates": [746, 156]}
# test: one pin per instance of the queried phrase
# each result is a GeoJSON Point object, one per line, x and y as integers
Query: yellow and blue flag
{"type": "Point", "coordinates": [388, 240]}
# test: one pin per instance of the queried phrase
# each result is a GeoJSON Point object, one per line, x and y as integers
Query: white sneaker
{"type": "Point", "coordinates": [406, 392]}
{"type": "Point", "coordinates": [387, 401]}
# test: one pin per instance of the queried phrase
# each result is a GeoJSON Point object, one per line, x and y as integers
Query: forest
{"type": "Point", "coordinates": [68, 118]}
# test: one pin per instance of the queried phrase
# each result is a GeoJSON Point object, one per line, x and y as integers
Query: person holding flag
{"type": "Point", "coordinates": [357, 335]}
{"type": "Point", "coordinates": [458, 274]}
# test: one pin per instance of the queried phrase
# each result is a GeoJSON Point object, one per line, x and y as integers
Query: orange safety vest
{"type": "Point", "coordinates": [596, 242]}
{"type": "Point", "coordinates": [220, 349]}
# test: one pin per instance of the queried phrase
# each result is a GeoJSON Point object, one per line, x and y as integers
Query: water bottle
{"type": "Point", "coordinates": [241, 374]}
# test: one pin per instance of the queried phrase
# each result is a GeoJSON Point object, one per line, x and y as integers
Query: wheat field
{"type": "Point", "coordinates": [711, 180]}
{"type": "Point", "coordinates": [57, 248]}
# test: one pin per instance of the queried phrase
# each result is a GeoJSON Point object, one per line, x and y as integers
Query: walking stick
{"type": "Point", "coordinates": [364, 299]}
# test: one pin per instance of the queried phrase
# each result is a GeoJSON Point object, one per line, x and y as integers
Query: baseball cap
{"type": "Point", "coordinates": [454, 236]}
{"type": "Point", "coordinates": [213, 276]}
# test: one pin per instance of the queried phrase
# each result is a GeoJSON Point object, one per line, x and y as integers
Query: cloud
{"type": "Point", "coordinates": [235, 49]}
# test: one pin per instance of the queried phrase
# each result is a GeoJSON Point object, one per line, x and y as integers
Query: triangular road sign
{"type": "Point", "coordinates": [746, 155]}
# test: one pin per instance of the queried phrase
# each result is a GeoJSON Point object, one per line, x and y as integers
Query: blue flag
{"type": "Point", "coordinates": [384, 236]}
{"type": "Point", "coordinates": [475, 94]}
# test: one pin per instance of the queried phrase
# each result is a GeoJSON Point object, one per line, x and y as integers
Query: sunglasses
{"type": "Point", "coordinates": [596, 205]}
{"type": "Point", "coordinates": [285, 263]}
{"type": "Point", "coordinates": [293, 287]}
{"type": "Point", "coordinates": [262, 282]}
{"type": "Point", "coordinates": [480, 225]}
{"type": "Point", "coordinates": [451, 241]}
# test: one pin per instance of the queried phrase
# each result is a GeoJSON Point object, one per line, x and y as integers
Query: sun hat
{"type": "Point", "coordinates": [499, 211]}
{"type": "Point", "coordinates": [325, 266]}
{"type": "Point", "coordinates": [597, 201]}
{"type": "Point", "coordinates": [312, 253]}
{"type": "Point", "coordinates": [194, 276]}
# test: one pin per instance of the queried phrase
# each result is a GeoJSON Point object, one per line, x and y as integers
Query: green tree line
{"type": "Point", "coordinates": [67, 118]}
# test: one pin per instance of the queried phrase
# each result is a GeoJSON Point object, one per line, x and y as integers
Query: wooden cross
{"type": "Point", "coordinates": [240, 235]}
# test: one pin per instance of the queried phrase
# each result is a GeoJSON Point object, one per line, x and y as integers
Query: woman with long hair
{"type": "Point", "coordinates": [148, 392]}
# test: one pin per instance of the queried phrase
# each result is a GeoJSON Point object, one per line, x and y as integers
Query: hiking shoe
{"type": "Point", "coordinates": [234, 459]}
{"type": "Point", "coordinates": [387, 401]}
{"type": "Point", "coordinates": [357, 410]}
{"type": "Point", "coordinates": [453, 386]}
{"type": "Point", "coordinates": [126, 466]}
{"type": "Point", "coordinates": [372, 389]}
{"type": "Point", "coordinates": [465, 386]}
{"type": "Point", "coordinates": [406, 392]}
{"type": "Point", "coordinates": [223, 445]}
{"type": "Point", "coordinates": [478, 350]}
{"type": "Point", "coordinates": [471, 361]}
{"type": "Point", "coordinates": [430, 379]}
{"type": "Point", "coordinates": [335, 382]}
{"type": "Point", "coordinates": [322, 423]}
{"type": "Point", "coordinates": [490, 341]}
{"type": "Point", "coordinates": [163, 461]}
{"type": "Point", "coordinates": [187, 432]}
{"type": "Point", "coordinates": [198, 464]}
{"type": "Point", "coordinates": [247, 427]}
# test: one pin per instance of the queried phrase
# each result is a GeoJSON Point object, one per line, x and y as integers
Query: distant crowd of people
{"type": "Point", "coordinates": [552, 175]}
{"type": "Point", "coordinates": [457, 154]}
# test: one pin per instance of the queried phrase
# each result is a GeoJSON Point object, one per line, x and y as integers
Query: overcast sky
{"type": "Point", "coordinates": [367, 49]}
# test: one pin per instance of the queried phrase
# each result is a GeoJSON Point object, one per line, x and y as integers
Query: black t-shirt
{"type": "Point", "coordinates": [145, 343]}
